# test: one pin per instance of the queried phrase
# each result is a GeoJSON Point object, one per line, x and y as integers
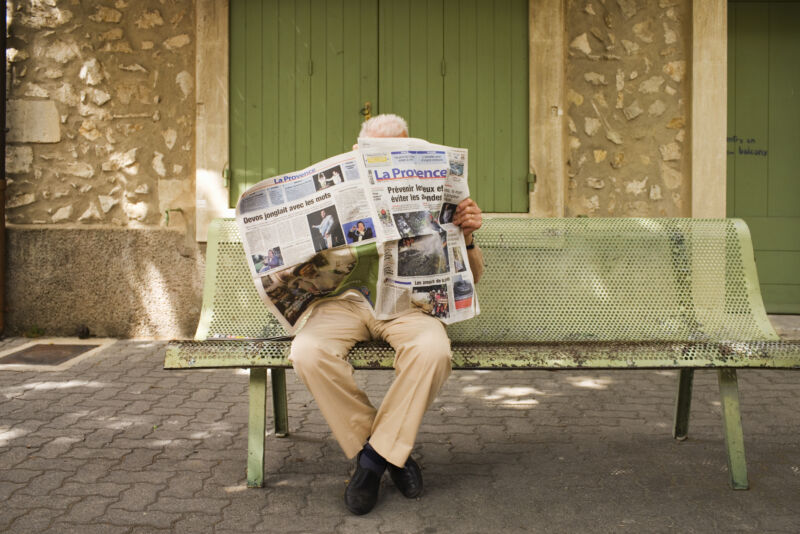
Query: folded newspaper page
{"type": "Point", "coordinates": [374, 222]}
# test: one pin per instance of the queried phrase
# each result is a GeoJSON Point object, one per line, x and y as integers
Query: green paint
{"type": "Point", "coordinates": [763, 136]}
{"type": "Point", "coordinates": [586, 293]}
{"type": "Point", "coordinates": [683, 404]}
{"type": "Point", "coordinates": [456, 69]}
{"type": "Point", "coordinates": [732, 427]}
{"type": "Point", "coordinates": [256, 424]}
{"type": "Point", "coordinates": [279, 404]}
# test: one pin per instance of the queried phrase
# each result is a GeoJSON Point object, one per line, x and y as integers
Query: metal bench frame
{"type": "Point", "coordinates": [557, 294]}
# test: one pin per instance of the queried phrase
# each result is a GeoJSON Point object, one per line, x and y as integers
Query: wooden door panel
{"type": "Point", "coordinates": [764, 141]}
{"type": "Point", "coordinates": [300, 73]}
{"type": "Point", "coordinates": [457, 70]}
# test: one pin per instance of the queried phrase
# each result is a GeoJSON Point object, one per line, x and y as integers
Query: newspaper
{"type": "Point", "coordinates": [376, 222]}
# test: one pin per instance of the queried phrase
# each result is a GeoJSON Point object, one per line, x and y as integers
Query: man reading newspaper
{"type": "Point", "coordinates": [379, 438]}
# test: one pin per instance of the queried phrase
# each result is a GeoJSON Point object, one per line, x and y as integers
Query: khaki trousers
{"type": "Point", "coordinates": [422, 364]}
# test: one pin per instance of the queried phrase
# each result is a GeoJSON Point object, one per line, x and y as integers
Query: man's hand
{"type": "Point", "coordinates": [468, 217]}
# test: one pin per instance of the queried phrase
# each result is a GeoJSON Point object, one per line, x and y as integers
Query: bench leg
{"type": "Point", "coordinates": [256, 427]}
{"type": "Point", "coordinates": [279, 402]}
{"type": "Point", "coordinates": [683, 404]}
{"type": "Point", "coordinates": [732, 426]}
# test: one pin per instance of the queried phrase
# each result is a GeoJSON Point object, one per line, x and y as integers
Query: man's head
{"type": "Point", "coordinates": [385, 125]}
{"type": "Point", "coordinates": [361, 226]}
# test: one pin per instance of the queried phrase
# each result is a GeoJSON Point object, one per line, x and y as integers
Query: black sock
{"type": "Point", "coordinates": [371, 460]}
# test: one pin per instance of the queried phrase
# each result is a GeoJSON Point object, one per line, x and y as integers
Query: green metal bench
{"type": "Point", "coordinates": [557, 294]}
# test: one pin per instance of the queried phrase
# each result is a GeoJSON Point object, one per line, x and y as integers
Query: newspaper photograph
{"type": "Point", "coordinates": [376, 222]}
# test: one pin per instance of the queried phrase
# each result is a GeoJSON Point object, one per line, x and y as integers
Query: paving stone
{"type": "Point", "coordinates": [184, 485]}
{"type": "Point", "coordinates": [45, 483]}
{"type": "Point", "coordinates": [190, 505]}
{"type": "Point", "coordinates": [19, 476]}
{"type": "Point", "coordinates": [35, 520]}
{"type": "Point", "coordinates": [582, 458]}
{"type": "Point", "coordinates": [13, 456]}
{"type": "Point", "coordinates": [88, 509]}
{"type": "Point", "coordinates": [105, 489]}
{"type": "Point", "coordinates": [108, 453]}
{"type": "Point", "coordinates": [91, 470]}
{"type": "Point", "coordinates": [102, 528]}
{"type": "Point", "coordinates": [138, 497]}
{"type": "Point", "coordinates": [161, 520]}
{"type": "Point", "coordinates": [9, 515]}
{"type": "Point", "coordinates": [8, 488]}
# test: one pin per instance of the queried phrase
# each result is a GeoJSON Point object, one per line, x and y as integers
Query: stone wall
{"type": "Point", "coordinates": [131, 282]}
{"type": "Point", "coordinates": [627, 93]}
{"type": "Point", "coordinates": [101, 112]}
{"type": "Point", "coordinates": [100, 168]}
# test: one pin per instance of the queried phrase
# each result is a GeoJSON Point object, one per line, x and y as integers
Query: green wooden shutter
{"type": "Point", "coordinates": [764, 142]}
{"type": "Point", "coordinates": [458, 71]}
{"type": "Point", "coordinates": [300, 73]}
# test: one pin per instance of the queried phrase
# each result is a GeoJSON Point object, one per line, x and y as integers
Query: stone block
{"type": "Point", "coordinates": [62, 214]}
{"type": "Point", "coordinates": [18, 159]}
{"type": "Point", "coordinates": [149, 19]}
{"type": "Point", "coordinates": [670, 151]}
{"type": "Point", "coordinates": [174, 194]}
{"type": "Point", "coordinates": [581, 43]}
{"type": "Point", "coordinates": [32, 121]}
{"type": "Point", "coordinates": [178, 41]}
{"type": "Point", "coordinates": [21, 200]}
{"type": "Point", "coordinates": [591, 126]}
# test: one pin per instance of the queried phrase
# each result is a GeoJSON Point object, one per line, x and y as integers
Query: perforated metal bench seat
{"type": "Point", "coordinates": [213, 354]}
{"type": "Point", "coordinates": [556, 294]}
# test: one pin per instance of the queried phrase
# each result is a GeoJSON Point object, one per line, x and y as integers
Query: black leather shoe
{"type": "Point", "coordinates": [408, 479]}
{"type": "Point", "coordinates": [362, 491]}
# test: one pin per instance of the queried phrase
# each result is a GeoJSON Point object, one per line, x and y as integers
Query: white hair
{"type": "Point", "coordinates": [384, 125]}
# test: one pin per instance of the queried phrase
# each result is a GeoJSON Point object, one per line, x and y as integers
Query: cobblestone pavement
{"type": "Point", "coordinates": [115, 444]}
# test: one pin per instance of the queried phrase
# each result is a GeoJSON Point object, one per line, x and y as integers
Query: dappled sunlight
{"type": "Point", "coordinates": [514, 396]}
{"type": "Point", "coordinates": [155, 289]}
{"type": "Point", "coordinates": [8, 434]}
{"type": "Point", "coordinates": [653, 225]}
{"type": "Point", "coordinates": [513, 392]}
{"type": "Point", "coordinates": [520, 402]}
{"type": "Point", "coordinates": [664, 372]}
{"type": "Point", "coordinates": [506, 395]}
{"type": "Point", "coordinates": [208, 188]}
{"type": "Point", "coordinates": [467, 378]}
{"type": "Point", "coordinates": [588, 382]}
{"type": "Point", "coordinates": [599, 289]}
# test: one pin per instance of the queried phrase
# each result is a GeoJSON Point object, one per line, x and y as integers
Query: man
{"type": "Point", "coordinates": [324, 228]}
{"type": "Point", "coordinates": [384, 437]}
{"type": "Point", "coordinates": [359, 232]}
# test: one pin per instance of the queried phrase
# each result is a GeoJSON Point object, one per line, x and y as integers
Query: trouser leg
{"type": "Point", "coordinates": [422, 364]}
{"type": "Point", "coordinates": [318, 355]}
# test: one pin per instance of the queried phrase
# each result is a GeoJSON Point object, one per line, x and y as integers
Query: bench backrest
{"type": "Point", "coordinates": [577, 279]}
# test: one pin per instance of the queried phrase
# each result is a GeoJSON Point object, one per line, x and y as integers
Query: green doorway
{"type": "Point", "coordinates": [764, 141]}
{"type": "Point", "coordinates": [457, 70]}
